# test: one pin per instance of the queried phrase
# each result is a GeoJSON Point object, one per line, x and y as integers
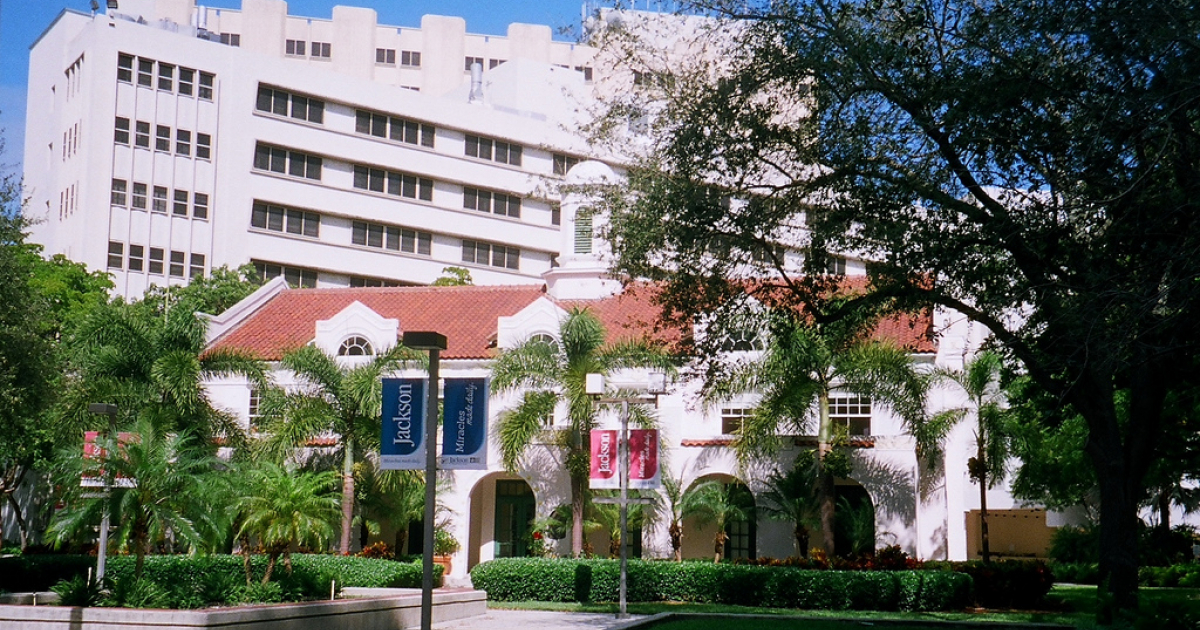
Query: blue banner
{"type": "Point", "coordinates": [402, 443]}
{"type": "Point", "coordinates": [464, 429]}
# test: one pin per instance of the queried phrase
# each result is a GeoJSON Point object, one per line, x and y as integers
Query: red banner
{"type": "Point", "coordinates": [606, 471]}
{"type": "Point", "coordinates": [643, 459]}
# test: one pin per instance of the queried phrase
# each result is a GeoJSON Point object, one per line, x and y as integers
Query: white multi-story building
{"type": "Point", "coordinates": [166, 139]}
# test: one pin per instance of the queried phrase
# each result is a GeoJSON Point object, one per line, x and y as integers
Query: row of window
{"type": "Point", "coordinates": [500, 151]}
{"type": "Point", "coordinates": [164, 140]}
{"type": "Point", "coordinates": [280, 160]}
{"type": "Point", "coordinates": [287, 220]}
{"type": "Point", "coordinates": [490, 63]}
{"type": "Point", "coordinates": [586, 71]}
{"type": "Point", "coordinates": [490, 254]}
{"type": "Point", "coordinates": [399, 129]}
{"type": "Point", "coordinates": [392, 237]}
{"type": "Point", "coordinates": [182, 202]}
{"type": "Point", "coordinates": [393, 183]}
{"type": "Point", "coordinates": [852, 411]}
{"type": "Point", "coordinates": [408, 58]}
{"type": "Point", "coordinates": [491, 201]}
{"type": "Point", "coordinates": [298, 48]}
{"type": "Point", "coordinates": [179, 265]}
{"type": "Point", "coordinates": [70, 142]}
{"type": "Point", "coordinates": [231, 39]}
{"type": "Point", "coordinates": [295, 276]}
{"type": "Point", "coordinates": [168, 78]}
{"type": "Point", "coordinates": [279, 102]}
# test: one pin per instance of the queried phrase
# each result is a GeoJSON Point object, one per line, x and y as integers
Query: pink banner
{"type": "Point", "coordinates": [606, 471]}
{"type": "Point", "coordinates": [643, 459]}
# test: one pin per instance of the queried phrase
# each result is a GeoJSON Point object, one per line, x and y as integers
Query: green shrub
{"type": "Point", "coordinates": [518, 579]}
{"type": "Point", "coordinates": [126, 591]}
{"type": "Point", "coordinates": [77, 591]}
{"type": "Point", "coordinates": [1076, 572]}
{"type": "Point", "coordinates": [39, 572]}
{"type": "Point", "coordinates": [1005, 584]}
{"type": "Point", "coordinates": [1075, 545]}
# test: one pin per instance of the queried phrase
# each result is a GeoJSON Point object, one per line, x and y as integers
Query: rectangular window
{"type": "Point", "coordinates": [470, 61]}
{"type": "Point", "coordinates": [159, 202]}
{"type": "Point", "coordinates": [586, 71]}
{"type": "Point", "coordinates": [478, 147]}
{"type": "Point", "coordinates": [282, 103]}
{"type": "Point", "coordinates": [177, 262]}
{"type": "Point", "coordinates": [492, 63]}
{"type": "Point", "coordinates": [162, 139]}
{"type": "Point", "coordinates": [295, 276]}
{"type": "Point", "coordinates": [187, 80]}
{"type": "Point", "coordinates": [156, 260]}
{"type": "Point", "coordinates": [495, 150]}
{"type": "Point", "coordinates": [136, 257]}
{"type": "Point", "coordinates": [732, 419]}
{"type": "Point", "coordinates": [181, 203]}
{"type": "Point", "coordinates": [196, 266]}
{"type": "Point", "coordinates": [125, 68]}
{"type": "Point", "coordinates": [166, 77]}
{"type": "Point", "coordinates": [563, 163]}
{"type": "Point", "coordinates": [289, 220]}
{"type": "Point", "coordinates": [320, 50]}
{"type": "Point", "coordinates": [118, 192]}
{"type": "Point", "coordinates": [398, 129]}
{"type": "Point", "coordinates": [139, 196]}
{"type": "Point", "coordinates": [255, 401]}
{"type": "Point", "coordinates": [200, 206]}
{"type": "Point", "coordinates": [203, 146]}
{"type": "Point", "coordinates": [206, 85]}
{"type": "Point", "coordinates": [279, 160]}
{"type": "Point", "coordinates": [555, 214]}
{"type": "Point", "coordinates": [141, 137]}
{"type": "Point", "coordinates": [116, 255]}
{"type": "Point", "coordinates": [231, 39]}
{"type": "Point", "coordinates": [853, 412]}
{"type": "Point", "coordinates": [492, 202]}
{"type": "Point", "coordinates": [393, 183]}
{"type": "Point", "coordinates": [121, 135]}
{"type": "Point", "coordinates": [145, 72]}
{"type": "Point", "coordinates": [391, 237]}
{"type": "Point", "coordinates": [410, 58]}
{"type": "Point", "coordinates": [491, 254]}
{"type": "Point", "coordinates": [295, 47]}
{"type": "Point", "coordinates": [385, 56]}
{"type": "Point", "coordinates": [183, 142]}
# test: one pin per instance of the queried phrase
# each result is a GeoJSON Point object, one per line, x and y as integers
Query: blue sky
{"type": "Point", "coordinates": [22, 21]}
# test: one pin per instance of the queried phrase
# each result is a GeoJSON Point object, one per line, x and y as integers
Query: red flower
{"type": "Point", "coordinates": [537, 535]}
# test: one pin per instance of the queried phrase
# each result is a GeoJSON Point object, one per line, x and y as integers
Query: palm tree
{"type": "Point", "coordinates": [791, 496]}
{"type": "Point", "coordinates": [163, 496]}
{"type": "Point", "coordinates": [607, 516]}
{"type": "Point", "coordinates": [396, 497]}
{"type": "Point", "coordinates": [285, 507]}
{"type": "Point", "coordinates": [806, 363]}
{"type": "Point", "coordinates": [718, 503]}
{"type": "Point", "coordinates": [672, 506]}
{"type": "Point", "coordinates": [331, 400]}
{"type": "Point", "coordinates": [980, 380]}
{"type": "Point", "coordinates": [553, 372]}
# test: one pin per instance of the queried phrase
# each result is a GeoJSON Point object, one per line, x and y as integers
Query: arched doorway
{"type": "Point", "coordinates": [741, 532]}
{"type": "Point", "coordinates": [503, 508]}
{"type": "Point", "coordinates": [854, 526]}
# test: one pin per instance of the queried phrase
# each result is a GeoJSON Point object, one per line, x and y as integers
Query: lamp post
{"type": "Point", "coordinates": [110, 410]}
{"type": "Point", "coordinates": [434, 343]}
{"type": "Point", "coordinates": [594, 386]}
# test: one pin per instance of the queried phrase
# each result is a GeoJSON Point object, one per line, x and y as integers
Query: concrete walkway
{"type": "Point", "coordinates": [497, 619]}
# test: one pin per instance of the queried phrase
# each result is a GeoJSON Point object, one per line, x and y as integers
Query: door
{"type": "Point", "coordinates": [515, 511]}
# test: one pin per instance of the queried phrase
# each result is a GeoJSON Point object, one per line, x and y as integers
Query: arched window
{"type": "Point", "coordinates": [355, 347]}
{"type": "Point", "coordinates": [543, 338]}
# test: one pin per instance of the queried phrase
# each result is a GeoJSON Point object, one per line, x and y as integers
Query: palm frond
{"type": "Point", "coordinates": [519, 427]}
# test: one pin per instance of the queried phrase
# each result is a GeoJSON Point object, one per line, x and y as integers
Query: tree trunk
{"type": "Point", "coordinates": [400, 540]}
{"type": "Point", "coordinates": [719, 543]}
{"type": "Point", "coordinates": [801, 534]}
{"type": "Point", "coordinates": [244, 540]}
{"type": "Point", "coordinates": [825, 486]}
{"type": "Point", "coordinates": [1118, 545]}
{"type": "Point", "coordinates": [141, 539]}
{"type": "Point", "coordinates": [271, 560]}
{"type": "Point", "coordinates": [676, 532]}
{"type": "Point", "coordinates": [22, 526]}
{"type": "Point", "coordinates": [982, 464]}
{"type": "Point", "coordinates": [347, 495]}
{"type": "Point", "coordinates": [577, 516]}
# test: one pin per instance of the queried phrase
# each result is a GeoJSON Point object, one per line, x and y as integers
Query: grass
{"type": "Point", "coordinates": [1069, 605]}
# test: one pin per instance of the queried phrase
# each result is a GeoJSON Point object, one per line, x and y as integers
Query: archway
{"type": "Point", "coordinates": [503, 507]}
{"type": "Point", "coordinates": [741, 534]}
{"type": "Point", "coordinates": [854, 527]}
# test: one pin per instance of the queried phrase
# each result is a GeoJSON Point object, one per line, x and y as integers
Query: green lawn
{"type": "Point", "coordinates": [1067, 605]}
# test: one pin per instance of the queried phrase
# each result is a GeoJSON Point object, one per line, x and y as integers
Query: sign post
{"type": "Point", "coordinates": [110, 410]}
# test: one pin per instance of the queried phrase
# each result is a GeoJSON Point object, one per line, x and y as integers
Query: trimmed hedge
{"type": "Point", "coordinates": [566, 580]}
{"type": "Point", "coordinates": [1021, 584]}
{"type": "Point", "coordinates": [40, 572]}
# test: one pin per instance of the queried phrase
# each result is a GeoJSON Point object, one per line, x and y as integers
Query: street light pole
{"type": "Point", "coordinates": [110, 410]}
{"type": "Point", "coordinates": [434, 343]}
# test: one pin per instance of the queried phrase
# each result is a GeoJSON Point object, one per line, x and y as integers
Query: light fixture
{"type": "Point", "coordinates": [112, 4]}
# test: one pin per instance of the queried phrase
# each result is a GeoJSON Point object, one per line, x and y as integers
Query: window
{"type": "Point", "coordinates": [118, 192]}
{"type": "Point", "coordinates": [495, 150]}
{"type": "Point", "coordinates": [141, 137]}
{"type": "Point", "coordinates": [493, 202]}
{"type": "Point", "coordinates": [398, 129]}
{"type": "Point", "coordinates": [410, 58]}
{"type": "Point", "coordinates": [355, 347]}
{"type": "Point", "coordinates": [156, 260]}
{"type": "Point", "coordinates": [295, 47]}
{"type": "Point", "coordinates": [181, 203]}
{"type": "Point", "coordinates": [203, 146]}
{"type": "Point", "coordinates": [145, 72]}
{"type": "Point", "coordinates": [555, 214]}
{"type": "Point", "coordinates": [206, 85]}
{"type": "Point", "coordinates": [470, 61]}
{"type": "Point", "coordinates": [393, 183]}
{"type": "Point", "coordinates": [177, 262]}
{"type": "Point", "coordinates": [583, 233]}
{"type": "Point", "coordinates": [492, 63]}
{"type": "Point", "coordinates": [159, 202]}
{"type": "Point", "coordinates": [852, 411]}
{"type": "Point", "coordinates": [121, 135]}
{"type": "Point", "coordinates": [183, 142]}
{"type": "Point", "coordinates": [116, 255]}
{"type": "Point", "coordinates": [162, 139]}
{"type": "Point", "coordinates": [586, 71]}
{"type": "Point", "coordinates": [732, 419]}
{"type": "Point", "coordinates": [255, 402]}
{"type": "Point", "coordinates": [139, 196]}
{"type": "Point", "coordinates": [125, 68]}
{"type": "Point", "coordinates": [563, 163]}
{"type": "Point", "coordinates": [295, 276]}
{"type": "Point", "coordinates": [385, 56]}
{"type": "Point", "coordinates": [835, 265]}
{"type": "Point", "coordinates": [491, 254]}
{"type": "Point", "coordinates": [231, 39]}
{"type": "Point", "coordinates": [320, 50]}
{"type": "Point", "coordinates": [391, 237]}
{"type": "Point", "coordinates": [187, 80]}
{"type": "Point", "coordinates": [282, 103]}
{"type": "Point", "coordinates": [280, 160]}
{"type": "Point", "coordinates": [136, 257]}
{"type": "Point", "coordinates": [359, 281]}
{"type": "Point", "coordinates": [166, 77]}
{"type": "Point", "coordinates": [290, 220]}
{"type": "Point", "coordinates": [196, 266]}
{"type": "Point", "coordinates": [200, 206]}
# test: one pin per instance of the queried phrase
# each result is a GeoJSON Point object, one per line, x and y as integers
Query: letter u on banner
{"type": "Point", "coordinates": [464, 427]}
{"type": "Point", "coordinates": [402, 442]}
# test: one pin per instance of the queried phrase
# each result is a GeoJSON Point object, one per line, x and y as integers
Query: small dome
{"type": "Point", "coordinates": [591, 172]}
